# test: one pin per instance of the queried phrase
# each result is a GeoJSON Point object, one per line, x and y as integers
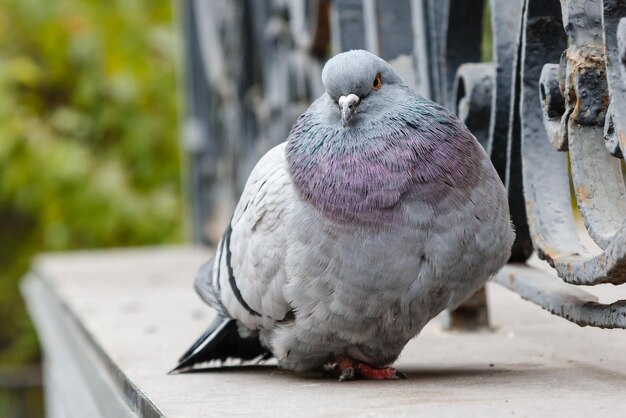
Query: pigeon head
{"type": "Point", "coordinates": [359, 82]}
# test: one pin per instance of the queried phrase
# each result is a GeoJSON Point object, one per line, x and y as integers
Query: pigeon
{"type": "Point", "coordinates": [378, 212]}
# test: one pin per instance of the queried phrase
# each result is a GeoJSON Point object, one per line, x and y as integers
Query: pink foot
{"type": "Point", "coordinates": [350, 369]}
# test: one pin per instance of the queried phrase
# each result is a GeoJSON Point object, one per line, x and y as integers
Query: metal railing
{"type": "Point", "coordinates": [550, 109]}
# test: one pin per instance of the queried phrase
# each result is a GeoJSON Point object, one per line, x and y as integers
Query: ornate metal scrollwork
{"type": "Point", "coordinates": [597, 177]}
{"type": "Point", "coordinates": [582, 71]}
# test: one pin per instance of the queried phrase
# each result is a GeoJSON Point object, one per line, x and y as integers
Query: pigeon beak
{"type": "Point", "coordinates": [348, 107]}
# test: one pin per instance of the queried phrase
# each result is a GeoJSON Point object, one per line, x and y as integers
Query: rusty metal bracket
{"type": "Point", "coordinates": [597, 178]}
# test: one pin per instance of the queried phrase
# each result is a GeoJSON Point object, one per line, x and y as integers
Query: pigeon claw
{"type": "Point", "coordinates": [346, 368]}
{"type": "Point", "coordinates": [347, 374]}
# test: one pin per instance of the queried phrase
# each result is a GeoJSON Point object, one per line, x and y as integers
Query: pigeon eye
{"type": "Point", "coordinates": [378, 82]}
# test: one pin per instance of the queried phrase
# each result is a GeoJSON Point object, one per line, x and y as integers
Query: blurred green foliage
{"type": "Point", "coordinates": [89, 154]}
{"type": "Point", "coordinates": [486, 42]}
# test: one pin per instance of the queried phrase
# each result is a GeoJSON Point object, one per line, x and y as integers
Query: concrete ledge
{"type": "Point", "coordinates": [112, 323]}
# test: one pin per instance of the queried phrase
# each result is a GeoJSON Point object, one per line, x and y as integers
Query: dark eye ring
{"type": "Point", "coordinates": [377, 83]}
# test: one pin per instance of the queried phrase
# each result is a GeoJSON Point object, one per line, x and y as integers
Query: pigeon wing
{"type": "Point", "coordinates": [247, 275]}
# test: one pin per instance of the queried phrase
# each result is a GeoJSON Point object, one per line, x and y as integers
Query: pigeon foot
{"type": "Point", "coordinates": [347, 368]}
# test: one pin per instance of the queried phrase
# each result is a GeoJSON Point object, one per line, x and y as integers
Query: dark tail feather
{"type": "Point", "coordinates": [221, 341]}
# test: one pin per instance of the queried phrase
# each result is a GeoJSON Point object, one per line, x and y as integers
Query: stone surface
{"type": "Point", "coordinates": [137, 310]}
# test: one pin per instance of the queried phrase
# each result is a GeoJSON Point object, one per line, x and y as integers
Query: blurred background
{"type": "Point", "coordinates": [89, 153]}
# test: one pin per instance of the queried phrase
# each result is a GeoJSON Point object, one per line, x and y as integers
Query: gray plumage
{"type": "Point", "coordinates": [379, 211]}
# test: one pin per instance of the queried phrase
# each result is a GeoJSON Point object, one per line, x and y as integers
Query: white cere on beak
{"type": "Point", "coordinates": [348, 107]}
{"type": "Point", "coordinates": [349, 100]}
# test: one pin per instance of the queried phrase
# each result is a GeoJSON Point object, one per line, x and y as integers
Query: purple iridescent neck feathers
{"type": "Point", "coordinates": [412, 150]}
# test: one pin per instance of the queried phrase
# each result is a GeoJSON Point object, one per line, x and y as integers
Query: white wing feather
{"type": "Point", "coordinates": [258, 244]}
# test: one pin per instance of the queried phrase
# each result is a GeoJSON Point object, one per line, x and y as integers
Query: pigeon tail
{"type": "Point", "coordinates": [220, 342]}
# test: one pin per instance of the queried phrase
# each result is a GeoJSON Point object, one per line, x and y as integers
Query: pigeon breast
{"type": "Point", "coordinates": [414, 152]}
